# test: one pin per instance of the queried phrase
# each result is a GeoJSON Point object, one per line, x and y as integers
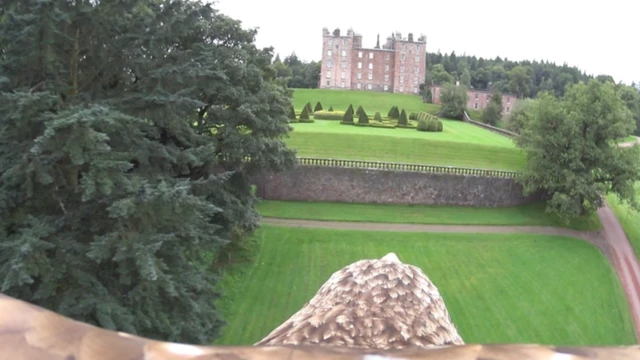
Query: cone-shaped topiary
{"type": "Point", "coordinates": [318, 107]}
{"type": "Point", "coordinates": [347, 118]}
{"type": "Point", "coordinates": [309, 108]}
{"type": "Point", "coordinates": [363, 118]}
{"type": "Point", "coordinates": [350, 110]}
{"type": "Point", "coordinates": [305, 114]}
{"type": "Point", "coordinates": [360, 110]}
{"type": "Point", "coordinates": [292, 113]}
{"type": "Point", "coordinates": [330, 108]}
{"type": "Point", "coordinates": [394, 113]}
{"type": "Point", "coordinates": [377, 116]}
{"type": "Point", "coordinates": [402, 119]}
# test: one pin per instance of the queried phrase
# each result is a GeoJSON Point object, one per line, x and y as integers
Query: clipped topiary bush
{"type": "Point", "coordinates": [347, 119]}
{"type": "Point", "coordinates": [440, 126]}
{"type": "Point", "coordinates": [318, 107]}
{"type": "Point", "coordinates": [402, 119]}
{"type": "Point", "coordinates": [350, 110]}
{"type": "Point", "coordinates": [309, 108]}
{"type": "Point", "coordinates": [359, 111]}
{"type": "Point", "coordinates": [363, 118]}
{"type": "Point", "coordinates": [377, 116]}
{"type": "Point", "coordinates": [432, 125]}
{"type": "Point", "coordinates": [328, 115]}
{"type": "Point", "coordinates": [413, 116]}
{"type": "Point", "coordinates": [304, 115]}
{"type": "Point", "coordinates": [292, 115]}
{"type": "Point", "coordinates": [394, 113]}
{"type": "Point", "coordinates": [422, 125]}
{"type": "Point", "coordinates": [330, 108]}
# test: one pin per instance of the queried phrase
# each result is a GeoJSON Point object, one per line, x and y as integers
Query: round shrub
{"type": "Point", "coordinates": [432, 125]}
{"type": "Point", "coordinates": [413, 116]}
{"type": "Point", "coordinates": [422, 125]}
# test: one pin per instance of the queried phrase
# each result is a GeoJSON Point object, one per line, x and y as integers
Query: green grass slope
{"type": "Point", "coordinates": [498, 288]}
{"type": "Point", "coordinates": [534, 214]}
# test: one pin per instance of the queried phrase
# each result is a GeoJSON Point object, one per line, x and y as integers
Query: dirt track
{"type": "Point", "coordinates": [611, 240]}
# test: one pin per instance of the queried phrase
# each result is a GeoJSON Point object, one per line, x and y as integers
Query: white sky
{"type": "Point", "coordinates": [600, 38]}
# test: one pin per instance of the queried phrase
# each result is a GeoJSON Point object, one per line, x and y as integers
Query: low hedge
{"type": "Point", "coordinates": [306, 120]}
{"type": "Point", "coordinates": [328, 115]}
{"type": "Point", "coordinates": [382, 125]}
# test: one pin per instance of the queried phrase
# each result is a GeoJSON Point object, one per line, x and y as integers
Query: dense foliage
{"type": "Point", "coordinates": [453, 100]}
{"type": "Point", "coordinates": [493, 112]}
{"type": "Point", "coordinates": [571, 148]}
{"type": "Point", "coordinates": [297, 73]}
{"type": "Point", "coordinates": [128, 133]}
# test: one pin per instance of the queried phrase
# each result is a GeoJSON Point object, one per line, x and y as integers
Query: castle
{"type": "Point", "coordinates": [398, 66]}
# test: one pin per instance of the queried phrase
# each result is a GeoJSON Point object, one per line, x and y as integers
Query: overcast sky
{"type": "Point", "coordinates": [600, 38]}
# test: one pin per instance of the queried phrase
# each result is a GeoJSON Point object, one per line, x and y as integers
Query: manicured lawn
{"type": "Point", "coordinates": [453, 130]}
{"type": "Point", "coordinates": [506, 288]}
{"type": "Point", "coordinates": [402, 149]}
{"type": "Point", "coordinates": [371, 101]}
{"type": "Point", "coordinates": [629, 218]}
{"type": "Point", "coordinates": [417, 214]}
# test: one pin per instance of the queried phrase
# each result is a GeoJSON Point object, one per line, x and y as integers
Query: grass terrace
{"type": "Point", "coordinates": [533, 214]}
{"type": "Point", "coordinates": [499, 288]}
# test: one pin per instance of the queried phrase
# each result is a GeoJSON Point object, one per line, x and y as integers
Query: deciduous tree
{"type": "Point", "coordinates": [454, 101]}
{"type": "Point", "coordinates": [571, 150]}
{"type": "Point", "coordinates": [493, 112]}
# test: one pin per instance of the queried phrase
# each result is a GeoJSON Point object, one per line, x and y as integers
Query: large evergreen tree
{"type": "Point", "coordinates": [128, 131]}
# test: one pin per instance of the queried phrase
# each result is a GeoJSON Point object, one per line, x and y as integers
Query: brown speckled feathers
{"type": "Point", "coordinates": [377, 304]}
{"type": "Point", "coordinates": [28, 332]}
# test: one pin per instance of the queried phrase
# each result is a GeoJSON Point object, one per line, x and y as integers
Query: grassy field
{"type": "Point", "coordinates": [371, 101]}
{"type": "Point", "coordinates": [498, 288]}
{"type": "Point", "coordinates": [419, 214]}
{"type": "Point", "coordinates": [629, 218]}
{"type": "Point", "coordinates": [402, 149]}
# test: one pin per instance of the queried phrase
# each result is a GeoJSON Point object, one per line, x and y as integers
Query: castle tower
{"type": "Point", "coordinates": [410, 63]}
{"type": "Point", "coordinates": [337, 54]}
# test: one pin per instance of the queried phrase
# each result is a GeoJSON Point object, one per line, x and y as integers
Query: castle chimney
{"type": "Point", "coordinates": [336, 32]}
{"type": "Point", "coordinates": [378, 42]}
{"type": "Point", "coordinates": [410, 37]}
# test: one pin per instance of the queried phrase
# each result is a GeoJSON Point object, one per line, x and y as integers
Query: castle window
{"type": "Point", "coordinates": [402, 68]}
{"type": "Point", "coordinates": [475, 106]}
{"type": "Point", "coordinates": [329, 63]}
{"type": "Point", "coordinates": [370, 66]}
{"type": "Point", "coordinates": [386, 87]}
{"type": "Point", "coordinates": [508, 108]}
{"type": "Point", "coordinates": [344, 53]}
{"type": "Point", "coordinates": [370, 76]}
{"type": "Point", "coordinates": [358, 85]}
{"type": "Point", "coordinates": [387, 57]}
{"type": "Point", "coordinates": [328, 82]}
{"type": "Point", "coordinates": [476, 99]}
{"type": "Point", "coordinates": [344, 41]}
{"type": "Point", "coordinates": [343, 75]}
{"type": "Point", "coordinates": [359, 75]}
{"type": "Point", "coordinates": [402, 57]}
{"type": "Point", "coordinates": [359, 54]}
{"type": "Point", "coordinates": [417, 47]}
{"type": "Point", "coordinates": [415, 80]}
{"type": "Point", "coordinates": [417, 70]}
{"type": "Point", "coordinates": [329, 52]}
{"type": "Point", "coordinates": [401, 78]}
{"type": "Point", "coordinates": [415, 89]}
{"type": "Point", "coordinates": [508, 100]}
{"type": "Point", "coordinates": [370, 55]}
{"type": "Point", "coordinates": [359, 65]}
{"type": "Point", "coordinates": [386, 77]}
{"type": "Point", "coordinates": [369, 86]}
{"type": "Point", "coordinates": [330, 42]}
{"type": "Point", "coordinates": [417, 58]}
{"type": "Point", "coordinates": [344, 64]}
{"type": "Point", "coordinates": [328, 74]}
{"type": "Point", "coordinates": [401, 88]}
{"type": "Point", "coordinates": [386, 68]}
{"type": "Point", "coordinates": [404, 46]}
{"type": "Point", "coordinates": [342, 84]}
